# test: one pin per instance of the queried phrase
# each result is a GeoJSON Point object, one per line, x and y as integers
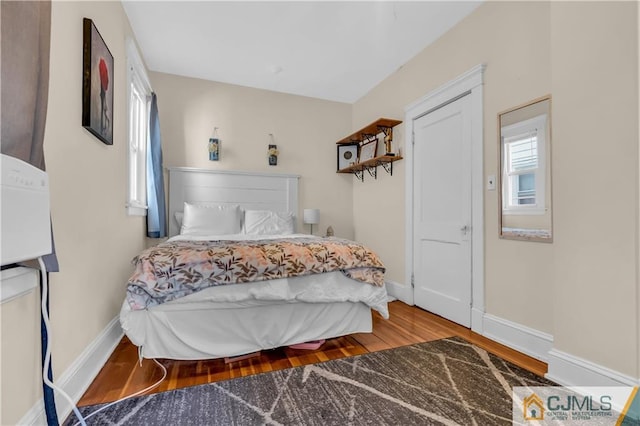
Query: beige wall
{"type": "Point", "coordinates": [20, 383]}
{"type": "Point", "coordinates": [580, 288]}
{"type": "Point", "coordinates": [95, 239]}
{"type": "Point", "coordinates": [304, 129]}
{"type": "Point", "coordinates": [595, 104]}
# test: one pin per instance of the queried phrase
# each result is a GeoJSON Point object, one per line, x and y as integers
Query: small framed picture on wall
{"type": "Point", "coordinates": [368, 151]}
{"type": "Point", "coordinates": [347, 155]}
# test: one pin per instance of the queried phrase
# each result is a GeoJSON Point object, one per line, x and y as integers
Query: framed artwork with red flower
{"type": "Point", "coordinates": [97, 84]}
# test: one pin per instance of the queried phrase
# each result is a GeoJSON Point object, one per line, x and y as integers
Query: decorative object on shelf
{"type": "Point", "coordinates": [347, 155]}
{"type": "Point", "coordinates": [368, 151]}
{"type": "Point", "coordinates": [311, 217]}
{"type": "Point", "coordinates": [214, 146]}
{"type": "Point", "coordinates": [366, 140]}
{"type": "Point", "coordinates": [330, 231]}
{"type": "Point", "coordinates": [97, 84]}
{"type": "Point", "coordinates": [388, 137]}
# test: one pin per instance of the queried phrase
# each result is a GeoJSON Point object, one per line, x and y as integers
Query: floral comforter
{"type": "Point", "coordinates": [174, 269]}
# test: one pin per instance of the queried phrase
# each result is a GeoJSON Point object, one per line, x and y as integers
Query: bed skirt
{"type": "Point", "coordinates": [186, 334]}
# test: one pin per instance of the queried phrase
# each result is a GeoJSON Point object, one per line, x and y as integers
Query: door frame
{"type": "Point", "coordinates": [468, 84]}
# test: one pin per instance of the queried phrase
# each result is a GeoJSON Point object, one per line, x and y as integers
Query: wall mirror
{"type": "Point", "coordinates": [525, 171]}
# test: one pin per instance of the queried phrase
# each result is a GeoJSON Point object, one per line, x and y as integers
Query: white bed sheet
{"type": "Point", "coordinates": [237, 319]}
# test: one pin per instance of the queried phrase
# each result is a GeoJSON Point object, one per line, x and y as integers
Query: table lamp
{"type": "Point", "coordinates": [311, 217]}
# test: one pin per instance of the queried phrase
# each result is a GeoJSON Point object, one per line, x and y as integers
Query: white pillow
{"type": "Point", "coordinates": [210, 219]}
{"type": "Point", "coordinates": [265, 222]}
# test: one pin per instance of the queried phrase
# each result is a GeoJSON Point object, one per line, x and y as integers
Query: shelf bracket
{"type": "Point", "coordinates": [359, 174]}
{"type": "Point", "coordinates": [388, 167]}
{"type": "Point", "coordinates": [368, 137]}
{"type": "Point", "coordinates": [373, 171]}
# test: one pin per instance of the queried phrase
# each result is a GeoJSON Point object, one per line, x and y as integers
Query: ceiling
{"type": "Point", "coordinates": [329, 50]}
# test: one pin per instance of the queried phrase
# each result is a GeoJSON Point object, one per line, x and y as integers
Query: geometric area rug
{"type": "Point", "coordinates": [444, 382]}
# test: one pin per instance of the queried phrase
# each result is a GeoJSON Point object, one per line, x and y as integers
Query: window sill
{"type": "Point", "coordinates": [133, 210]}
{"type": "Point", "coordinates": [524, 212]}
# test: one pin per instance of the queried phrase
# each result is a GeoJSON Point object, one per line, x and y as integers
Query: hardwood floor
{"type": "Point", "coordinates": [122, 375]}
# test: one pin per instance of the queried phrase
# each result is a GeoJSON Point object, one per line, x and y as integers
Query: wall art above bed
{"type": "Point", "coordinates": [214, 146]}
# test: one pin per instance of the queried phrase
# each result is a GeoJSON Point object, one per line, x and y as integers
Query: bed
{"type": "Point", "coordinates": [334, 286]}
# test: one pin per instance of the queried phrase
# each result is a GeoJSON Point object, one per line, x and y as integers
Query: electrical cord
{"type": "Point", "coordinates": [47, 358]}
{"type": "Point", "coordinates": [164, 375]}
{"type": "Point", "coordinates": [47, 362]}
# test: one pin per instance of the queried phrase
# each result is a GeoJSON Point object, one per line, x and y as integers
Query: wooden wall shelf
{"type": "Point", "coordinates": [370, 131]}
{"type": "Point", "coordinates": [371, 166]}
{"type": "Point", "coordinates": [366, 135]}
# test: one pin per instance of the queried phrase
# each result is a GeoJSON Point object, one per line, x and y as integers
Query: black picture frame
{"type": "Point", "coordinates": [97, 84]}
{"type": "Point", "coordinates": [347, 155]}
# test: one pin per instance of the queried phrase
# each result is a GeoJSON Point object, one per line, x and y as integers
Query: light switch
{"type": "Point", "coordinates": [491, 182]}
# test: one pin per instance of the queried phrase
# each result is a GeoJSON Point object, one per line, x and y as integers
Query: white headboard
{"type": "Point", "coordinates": [250, 190]}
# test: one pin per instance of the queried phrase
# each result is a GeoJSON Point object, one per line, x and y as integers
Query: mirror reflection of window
{"type": "Point", "coordinates": [525, 171]}
{"type": "Point", "coordinates": [524, 166]}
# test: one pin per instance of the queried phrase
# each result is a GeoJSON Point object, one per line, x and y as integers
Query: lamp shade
{"type": "Point", "coordinates": [311, 216]}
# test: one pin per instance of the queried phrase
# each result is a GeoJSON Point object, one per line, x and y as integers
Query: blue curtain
{"type": "Point", "coordinates": [156, 214]}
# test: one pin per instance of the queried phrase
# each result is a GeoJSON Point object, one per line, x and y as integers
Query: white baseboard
{"type": "Point", "coordinates": [570, 370]}
{"type": "Point", "coordinates": [477, 320]}
{"type": "Point", "coordinates": [563, 368]}
{"type": "Point", "coordinates": [401, 292]}
{"type": "Point", "coordinates": [77, 378]}
{"type": "Point", "coordinates": [527, 340]}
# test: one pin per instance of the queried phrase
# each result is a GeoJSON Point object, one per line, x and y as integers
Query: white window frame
{"type": "Point", "coordinates": [138, 108]}
{"type": "Point", "coordinates": [538, 126]}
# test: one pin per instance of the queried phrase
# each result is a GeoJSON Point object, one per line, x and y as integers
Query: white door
{"type": "Point", "coordinates": [442, 211]}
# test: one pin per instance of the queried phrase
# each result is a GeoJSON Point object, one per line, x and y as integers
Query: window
{"type": "Point", "coordinates": [524, 166]}
{"type": "Point", "coordinates": [139, 95]}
